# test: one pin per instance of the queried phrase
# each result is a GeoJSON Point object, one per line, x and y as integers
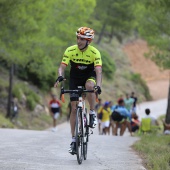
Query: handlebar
{"type": "Point", "coordinates": [77, 91]}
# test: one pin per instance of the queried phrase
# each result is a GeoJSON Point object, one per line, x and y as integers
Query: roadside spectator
{"type": "Point", "coordinates": [111, 127]}
{"type": "Point", "coordinates": [105, 121]}
{"type": "Point", "coordinates": [120, 98]}
{"type": "Point", "coordinates": [135, 102]}
{"type": "Point", "coordinates": [135, 123]}
{"type": "Point", "coordinates": [97, 107]}
{"type": "Point", "coordinates": [55, 110]}
{"type": "Point", "coordinates": [153, 119]}
{"type": "Point", "coordinates": [15, 109]}
{"type": "Point", "coordinates": [119, 116]}
{"type": "Point", "coordinates": [129, 103]}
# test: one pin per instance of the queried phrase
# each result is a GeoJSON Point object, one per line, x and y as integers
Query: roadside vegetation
{"type": "Point", "coordinates": [154, 149]}
{"type": "Point", "coordinates": [5, 123]}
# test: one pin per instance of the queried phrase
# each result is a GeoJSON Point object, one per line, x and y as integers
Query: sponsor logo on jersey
{"type": "Point", "coordinates": [97, 59]}
{"type": "Point", "coordinates": [82, 67]}
{"type": "Point", "coordinates": [82, 60]}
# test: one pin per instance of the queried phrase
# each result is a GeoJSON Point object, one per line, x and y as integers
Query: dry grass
{"type": "Point", "coordinates": [155, 151]}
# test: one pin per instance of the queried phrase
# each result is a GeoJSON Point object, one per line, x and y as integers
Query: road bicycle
{"type": "Point", "coordinates": [82, 122]}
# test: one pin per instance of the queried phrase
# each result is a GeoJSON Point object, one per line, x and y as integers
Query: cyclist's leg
{"type": "Point", "coordinates": [90, 83]}
{"type": "Point", "coordinates": [73, 117]}
{"type": "Point", "coordinates": [72, 148]}
{"type": "Point", "coordinates": [73, 99]}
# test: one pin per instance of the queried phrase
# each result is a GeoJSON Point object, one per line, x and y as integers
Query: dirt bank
{"type": "Point", "coordinates": [156, 79]}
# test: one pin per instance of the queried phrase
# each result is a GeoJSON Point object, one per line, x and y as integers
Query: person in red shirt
{"type": "Point", "coordinates": [55, 110]}
{"type": "Point", "coordinates": [135, 123]}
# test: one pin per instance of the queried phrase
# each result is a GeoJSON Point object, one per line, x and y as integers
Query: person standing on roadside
{"type": "Point", "coordinates": [55, 110]}
{"type": "Point", "coordinates": [134, 102]}
{"type": "Point", "coordinates": [129, 103]}
{"type": "Point", "coordinates": [105, 121]}
{"type": "Point", "coordinates": [121, 116]}
{"type": "Point", "coordinates": [97, 107]}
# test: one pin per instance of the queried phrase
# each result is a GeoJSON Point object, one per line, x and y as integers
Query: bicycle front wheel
{"type": "Point", "coordinates": [79, 136]}
{"type": "Point", "coordinates": [85, 142]}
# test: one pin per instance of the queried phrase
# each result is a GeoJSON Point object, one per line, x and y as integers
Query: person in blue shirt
{"type": "Point", "coordinates": [121, 116]}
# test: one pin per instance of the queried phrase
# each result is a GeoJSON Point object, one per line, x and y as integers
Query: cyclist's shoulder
{"type": "Point", "coordinates": [71, 49]}
{"type": "Point", "coordinates": [93, 50]}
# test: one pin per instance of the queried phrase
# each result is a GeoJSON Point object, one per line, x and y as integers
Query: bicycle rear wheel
{"type": "Point", "coordinates": [79, 136]}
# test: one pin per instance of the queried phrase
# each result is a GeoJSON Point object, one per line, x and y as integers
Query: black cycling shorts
{"type": "Point", "coordinates": [78, 82]}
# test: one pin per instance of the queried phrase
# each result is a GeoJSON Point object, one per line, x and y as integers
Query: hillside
{"type": "Point", "coordinates": [157, 80]}
{"type": "Point", "coordinates": [123, 81]}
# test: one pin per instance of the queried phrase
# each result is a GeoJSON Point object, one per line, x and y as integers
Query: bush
{"type": "Point", "coordinates": [136, 78]}
{"type": "Point", "coordinates": [3, 85]}
{"type": "Point", "coordinates": [32, 97]}
{"type": "Point", "coordinates": [16, 91]}
{"type": "Point", "coordinates": [5, 123]}
{"type": "Point", "coordinates": [108, 65]}
{"type": "Point", "coordinates": [31, 102]}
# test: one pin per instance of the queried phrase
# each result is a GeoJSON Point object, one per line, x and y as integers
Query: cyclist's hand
{"type": "Point", "coordinates": [97, 89]}
{"type": "Point", "coordinates": [59, 79]}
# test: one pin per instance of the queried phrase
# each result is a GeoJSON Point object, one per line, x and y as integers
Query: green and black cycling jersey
{"type": "Point", "coordinates": [82, 63]}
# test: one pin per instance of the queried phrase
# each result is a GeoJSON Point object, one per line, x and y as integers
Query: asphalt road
{"type": "Point", "coordinates": [46, 150]}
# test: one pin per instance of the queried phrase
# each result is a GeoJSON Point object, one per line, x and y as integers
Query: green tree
{"type": "Point", "coordinates": [153, 23]}
{"type": "Point", "coordinates": [153, 18]}
{"type": "Point", "coordinates": [114, 18]}
{"type": "Point", "coordinates": [33, 31]}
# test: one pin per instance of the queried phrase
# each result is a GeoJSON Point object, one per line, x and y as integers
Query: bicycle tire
{"type": "Point", "coordinates": [85, 144]}
{"type": "Point", "coordinates": [79, 136]}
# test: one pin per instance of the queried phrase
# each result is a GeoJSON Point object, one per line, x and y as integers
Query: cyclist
{"type": "Point", "coordinates": [86, 70]}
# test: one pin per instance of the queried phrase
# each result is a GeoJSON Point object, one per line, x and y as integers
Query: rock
{"type": "Point", "coordinates": [38, 110]}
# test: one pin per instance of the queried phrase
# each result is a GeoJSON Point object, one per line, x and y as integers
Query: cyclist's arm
{"type": "Point", "coordinates": [60, 72]}
{"type": "Point", "coordinates": [61, 69]}
{"type": "Point", "coordinates": [98, 70]}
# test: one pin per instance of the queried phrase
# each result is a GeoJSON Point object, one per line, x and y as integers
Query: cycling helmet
{"type": "Point", "coordinates": [86, 33]}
